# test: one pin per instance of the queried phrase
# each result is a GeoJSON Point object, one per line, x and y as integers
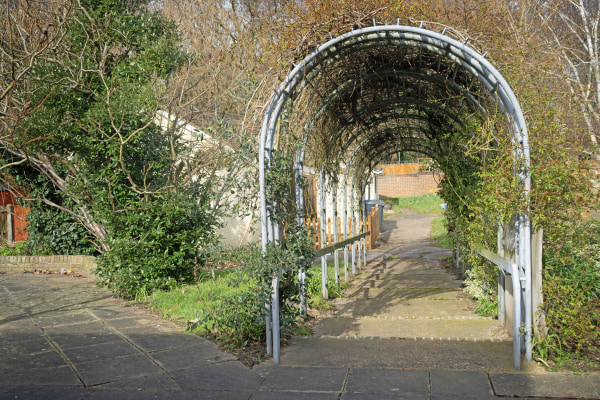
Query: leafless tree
{"type": "Point", "coordinates": [29, 31]}
{"type": "Point", "coordinates": [574, 30]}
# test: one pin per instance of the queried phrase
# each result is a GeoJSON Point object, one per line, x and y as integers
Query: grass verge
{"type": "Point", "coordinates": [439, 233]}
{"type": "Point", "coordinates": [426, 204]}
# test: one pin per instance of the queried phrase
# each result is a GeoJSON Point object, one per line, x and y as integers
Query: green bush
{"type": "Point", "coordinates": [54, 232]}
{"type": "Point", "coordinates": [237, 319]}
{"type": "Point", "coordinates": [572, 318]}
{"type": "Point", "coordinates": [18, 249]}
{"type": "Point", "coordinates": [158, 246]}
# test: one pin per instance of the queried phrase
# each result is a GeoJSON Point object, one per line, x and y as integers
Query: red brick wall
{"type": "Point", "coordinates": [407, 185]}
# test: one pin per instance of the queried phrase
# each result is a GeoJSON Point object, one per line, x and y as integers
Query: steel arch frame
{"type": "Point", "coordinates": [402, 36]}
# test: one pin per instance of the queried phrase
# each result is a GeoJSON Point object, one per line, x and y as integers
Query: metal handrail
{"type": "Point", "coordinates": [340, 245]}
{"type": "Point", "coordinates": [512, 269]}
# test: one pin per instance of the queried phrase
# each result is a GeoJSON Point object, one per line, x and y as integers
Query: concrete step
{"type": "Point", "coordinates": [412, 308]}
{"type": "Point", "coordinates": [404, 294]}
{"type": "Point", "coordinates": [452, 329]}
{"type": "Point", "coordinates": [399, 354]}
{"type": "Point", "coordinates": [408, 282]}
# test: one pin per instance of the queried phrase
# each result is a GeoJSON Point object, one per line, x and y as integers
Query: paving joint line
{"type": "Point", "coordinates": [147, 354]}
{"type": "Point", "coordinates": [63, 356]}
{"type": "Point", "coordinates": [344, 384]}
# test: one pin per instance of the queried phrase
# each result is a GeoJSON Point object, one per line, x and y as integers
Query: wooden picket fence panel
{"type": "Point", "coordinates": [372, 227]}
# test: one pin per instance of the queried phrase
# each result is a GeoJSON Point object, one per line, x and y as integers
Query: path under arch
{"type": "Point", "coordinates": [405, 310]}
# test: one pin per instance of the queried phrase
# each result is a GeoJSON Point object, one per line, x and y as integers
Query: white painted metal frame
{"type": "Point", "coordinates": [405, 36]}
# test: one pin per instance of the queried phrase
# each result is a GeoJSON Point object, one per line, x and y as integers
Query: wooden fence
{"type": "Point", "coordinates": [13, 224]}
{"type": "Point", "coordinates": [372, 227]}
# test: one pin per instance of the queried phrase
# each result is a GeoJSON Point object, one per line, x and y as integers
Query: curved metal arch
{"type": "Point", "coordinates": [422, 106]}
{"type": "Point", "coordinates": [468, 59]}
{"type": "Point", "coordinates": [435, 42]}
{"type": "Point", "coordinates": [426, 76]}
{"type": "Point", "coordinates": [365, 144]}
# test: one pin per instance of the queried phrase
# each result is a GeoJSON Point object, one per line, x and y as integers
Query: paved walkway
{"type": "Point", "coordinates": [64, 338]}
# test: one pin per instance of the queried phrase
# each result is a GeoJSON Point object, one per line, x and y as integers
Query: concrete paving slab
{"type": "Point", "coordinates": [27, 361]}
{"type": "Point", "coordinates": [594, 381]}
{"type": "Point", "coordinates": [189, 357]}
{"type": "Point", "coordinates": [126, 394]}
{"type": "Point", "coordinates": [66, 340]}
{"type": "Point", "coordinates": [158, 328]}
{"type": "Point", "coordinates": [394, 274]}
{"type": "Point", "coordinates": [404, 294]}
{"type": "Point", "coordinates": [305, 379]}
{"type": "Point", "coordinates": [400, 354]}
{"type": "Point", "coordinates": [461, 397]}
{"type": "Point", "coordinates": [380, 396]}
{"type": "Point", "coordinates": [99, 352]}
{"type": "Point", "coordinates": [171, 341]}
{"type": "Point", "coordinates": [390, 381]}
{"type": "Point", "coordinates": [108, 312]}
{"type": "Point", "coordinates": [58, 375]}
{"type": "Point", "coordinates": [20, 328]}
{"type": "Point", "coordinates": [405, 308]}
{"type": "Point", "coordinates": [415, 282]}
{"type": "Point", "coordinates": [114, 369]}
{"type": "Point", "coordinates": [460, 383]}
{"type": "Point", "coordinates": [290, 395]}
{"type": "Point", "coordinates": [551, 385]}
{"type": "Point", "coordinates": [24, 346]}
{"type": "Point", "coordinates": [157, 382]}
{"type": "Point", "coordinates": [448, 329]}
{"type": "Point", "coordinates": [60, 318]}
{"type": "Point", "coordinates": [227, 376]}
{"type": "Point", "coordinates": [44, 393]}
{"type": "Point", "coordinates": [128, 322]}
{"type": "Point", "coordinates": [23, 336]}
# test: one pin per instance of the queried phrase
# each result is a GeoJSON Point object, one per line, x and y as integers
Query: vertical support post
{"type": "Point", "coordinates": [521, 274]}
{"type": "Point", "coordinates": [360, 230]}
{"type": "Point", "coordinates": [275, 309]}
{"type": "Point", "coordinates": [345, 225]}
{"type": "Point", "coordinates": [9, 220]}
{"type": "Point", "coordinates": [301, 222]}
{"type": "Point", "coordinates": [501, 278]}
{"type": "Point", "coordinates": [336, 254]}
{"type": "Point", "coordinates": [526, 227]}
{"type": "Point", "coordinates": [353, 227]}
{"type": "Point", "coordinates": [516, 320]}
{"type": "Point", "coordinates": [324, 288]}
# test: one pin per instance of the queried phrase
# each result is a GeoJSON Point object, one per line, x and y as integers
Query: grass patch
{"type": "Point", "coordinates": [314, 286]}
{"type": "Point", "coordinates": [426, 204]}
{"type": "Point", "coordinates": [439, 233]}
{"type": "Point", "coordinates": [183, 304]}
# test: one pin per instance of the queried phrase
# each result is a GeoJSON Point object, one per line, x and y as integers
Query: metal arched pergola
{"type": "Point", "coordinates": [392, 88]}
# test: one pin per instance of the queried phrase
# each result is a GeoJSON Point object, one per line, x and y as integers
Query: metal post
{"type": "Point", "coordinates": [518, 259]}
{"type": "Point", "coordinates": [324, 288]}
{"type": "Point", "coordinates": [526, 260]}
{"type": "Point", "coordinates": [501, 278]}
{"type": "Point", "coordinates": [352, 227]}
{"type": "Point", "coordinates": [359, 242]}
{"type": "Point", "coordinates": [275, 309]}
{"type": "Point", "coordinates": [516, 320]}
{"type": "Point", "coordinates": [345, 225]}
{"type": "Point", "coordinates": [300, 221]}
{"type": "Point", "coordinates": [336, 255]}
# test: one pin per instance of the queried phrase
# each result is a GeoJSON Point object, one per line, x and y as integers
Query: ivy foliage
{"type": "Point", "coordinates": [93, 152]}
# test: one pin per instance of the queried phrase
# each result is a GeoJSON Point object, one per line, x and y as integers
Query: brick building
{"type": "Point", "coordinates": [406, 180]}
